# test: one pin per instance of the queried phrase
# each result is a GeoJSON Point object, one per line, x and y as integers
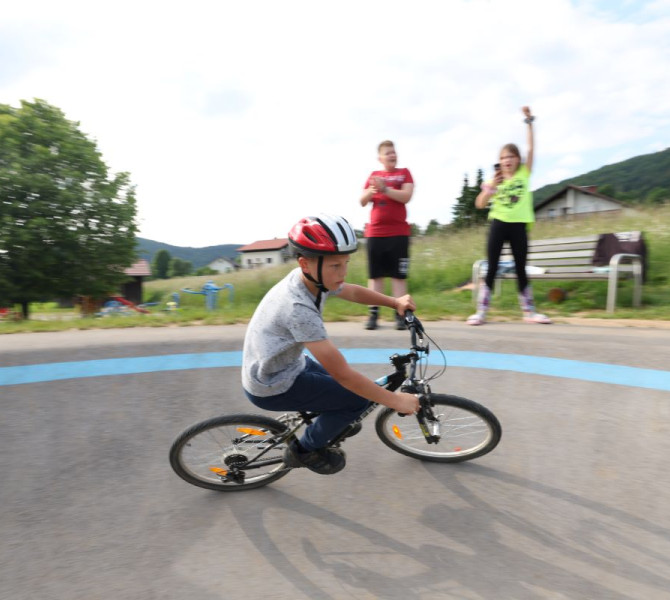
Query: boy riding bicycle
{"type": "Point", "coordinates": [277, 375]}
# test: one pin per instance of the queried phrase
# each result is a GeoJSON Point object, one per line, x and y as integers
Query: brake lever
{"type": "Point", "coordinates": [412, 321]}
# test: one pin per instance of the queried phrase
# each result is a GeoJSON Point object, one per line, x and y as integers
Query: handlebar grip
{"type": "Point", "coordinates": [413, 321]}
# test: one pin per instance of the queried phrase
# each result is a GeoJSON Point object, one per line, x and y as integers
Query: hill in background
{"type": "Point", "coordinates": [631, 180]}
{"type": "Point", "coordinates": [199, 257]}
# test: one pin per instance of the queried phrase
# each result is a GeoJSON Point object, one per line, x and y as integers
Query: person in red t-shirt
{"type": "Point", "coordinates": [388, 231]}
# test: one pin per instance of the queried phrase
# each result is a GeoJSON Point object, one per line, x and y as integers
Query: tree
{"type": "Point", "coordinates": [415, 230]}
{"type": "Point", "coordinates": [5, 283]}
{"type": "Point", "coordinates": [67, 227]}
{"type": "Point", "coordinates": [433, 227]}
{"type": "Point", "coordinates": [658, 196]}
{"type": "Point", "coordinates": [461, 209]}
{"type": "Point", "coordinates": [607, 190]}
{"type": "Point", "coordinates": [180, 267]}
{"type": "Point", "coordinates": [464, 212]}
{"type": "Point", "coordinates": [160, 266]}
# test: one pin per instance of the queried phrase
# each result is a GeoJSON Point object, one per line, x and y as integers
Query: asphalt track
{"type": "Point", "coordinates": [572, 504]}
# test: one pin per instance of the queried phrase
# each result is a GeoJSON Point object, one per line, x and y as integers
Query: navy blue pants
{"type": "Point", "coordinates": [315, 390]}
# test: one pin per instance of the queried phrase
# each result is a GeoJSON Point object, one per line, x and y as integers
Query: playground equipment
{"type": "Point", "coordinates": [210, 291]}
{"type": "Point", "coordinates": [9, 314]}
{"type": "Point", "coordinates": [118, 305]}
{"type": "Point", "coordinates": [112, 307]}
{"type": "Point", "coordinates": [129, 304]}
{"type": "Point", "coordinates": [172, 305]}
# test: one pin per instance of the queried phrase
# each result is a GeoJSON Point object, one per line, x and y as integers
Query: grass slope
{"type": "Point", "coordinates": [440, 265]}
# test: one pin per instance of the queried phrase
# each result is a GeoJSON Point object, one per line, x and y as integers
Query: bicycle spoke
{"type": "Point", "coordinates": [239, 451]}
{"type": "Point", "coordinates": [461, 430]}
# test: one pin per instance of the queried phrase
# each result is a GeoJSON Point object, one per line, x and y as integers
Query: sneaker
{"type": "Point", "coordinates": [400, 323]}
{"type": "Point", "coordinates": [325, 461]}
{"type": "Point", "coordinates": [372, 322]}
{"type": "Point", "coordinates": [536, 318]}
{"type": "Point", "coordinates": [476, 319]}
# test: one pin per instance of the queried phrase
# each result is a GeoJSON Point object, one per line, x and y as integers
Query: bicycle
{"type": "Point", "coordinates": [245, 451]}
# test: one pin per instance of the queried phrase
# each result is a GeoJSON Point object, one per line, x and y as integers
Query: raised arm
{"type": "Point", "coordinates": [530, 142]}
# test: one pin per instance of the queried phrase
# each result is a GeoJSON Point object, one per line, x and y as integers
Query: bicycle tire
{"type": "Point", "coordinates": [202, 455]}
{"type": "Point", "coordinates": [467, 430]}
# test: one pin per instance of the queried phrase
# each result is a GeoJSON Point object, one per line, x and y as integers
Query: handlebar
{"type": "Point", "coordinates": [415, 327]}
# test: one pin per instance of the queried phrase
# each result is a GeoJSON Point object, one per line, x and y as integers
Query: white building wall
{"type": "Point", "coordinates": [576, 202]}
{"type": "Point", "coordinates": [221, 265]}
{"type": "Point", "coordinates": [587, 204]}
{"type": "Point", "coordinates": [262, 258]}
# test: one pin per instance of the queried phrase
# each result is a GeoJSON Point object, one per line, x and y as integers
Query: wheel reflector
{"type": "Point", "coordinates": [250, 431]}
{"type": "Point", "coordinates": [397, 433]}
{"type": "Point", "coordinates": [218, 471]}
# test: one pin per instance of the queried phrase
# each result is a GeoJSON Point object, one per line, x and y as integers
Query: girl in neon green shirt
{"type": "Point", "coordinates": [511, 212]}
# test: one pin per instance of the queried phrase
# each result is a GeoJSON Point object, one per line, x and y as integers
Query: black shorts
{"type": "Point", "coordinates": [388, 257]}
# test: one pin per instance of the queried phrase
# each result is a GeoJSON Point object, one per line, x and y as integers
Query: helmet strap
{"type": "Point", "coordinates": [318, 281]}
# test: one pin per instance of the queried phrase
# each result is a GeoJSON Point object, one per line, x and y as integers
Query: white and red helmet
{"type": "Point", "coordinates": [322, 235]}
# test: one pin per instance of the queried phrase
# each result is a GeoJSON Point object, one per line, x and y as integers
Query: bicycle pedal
{"type": "Point", "coordinates": [228, 476]}
{"type": "Point", "coordinates": [221, 473]}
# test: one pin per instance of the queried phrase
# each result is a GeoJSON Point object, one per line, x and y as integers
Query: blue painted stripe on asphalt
{"type": "Point", "coordinates": [117, 366]}
{"type": "Point", "coordinates": [534, 365]}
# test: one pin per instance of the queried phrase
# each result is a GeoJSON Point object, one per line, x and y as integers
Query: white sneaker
{"type": "Point", "coordinates": [476, 319]}
{"type": "Point", "coordinates": [536, 318]}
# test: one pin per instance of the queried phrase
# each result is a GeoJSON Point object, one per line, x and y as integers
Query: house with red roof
{"type": "Point", "coordinates": [265, 253]}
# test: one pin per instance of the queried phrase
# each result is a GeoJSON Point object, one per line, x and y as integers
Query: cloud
{"type": "Point", "coordinates": [236, 119]}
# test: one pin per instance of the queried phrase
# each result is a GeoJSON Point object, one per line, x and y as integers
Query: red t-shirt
{"type": "Point", "coordinates": [388, 217]}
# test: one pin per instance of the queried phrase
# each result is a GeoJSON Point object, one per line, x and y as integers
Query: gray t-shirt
{"type": "Point", "coordinates": [274, 344]}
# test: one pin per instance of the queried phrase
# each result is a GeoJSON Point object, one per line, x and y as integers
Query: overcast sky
{"type": "Point", "coordinates": [235, 119]}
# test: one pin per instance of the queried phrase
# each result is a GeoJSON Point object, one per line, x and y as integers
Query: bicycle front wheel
{"type": "Point", "coordinates": [231, 453]}
{"type": "Point", "coordinates": [465, 430]}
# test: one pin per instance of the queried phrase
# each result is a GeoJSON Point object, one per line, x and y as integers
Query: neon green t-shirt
{"type": "Point", "coordinates": [513, 202]}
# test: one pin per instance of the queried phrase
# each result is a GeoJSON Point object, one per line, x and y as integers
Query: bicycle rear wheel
{"type": "Point", "coordinates": [466, 430]}
{"type": "Point", "coordinates": [221, 453]}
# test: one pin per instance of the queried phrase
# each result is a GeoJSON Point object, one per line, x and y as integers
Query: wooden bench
{"type": "Point", "coordinates": [567, 259]}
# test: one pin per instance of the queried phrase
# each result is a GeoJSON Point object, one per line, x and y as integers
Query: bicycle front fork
{"type": "Point", "coordinates": [430, 426]}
